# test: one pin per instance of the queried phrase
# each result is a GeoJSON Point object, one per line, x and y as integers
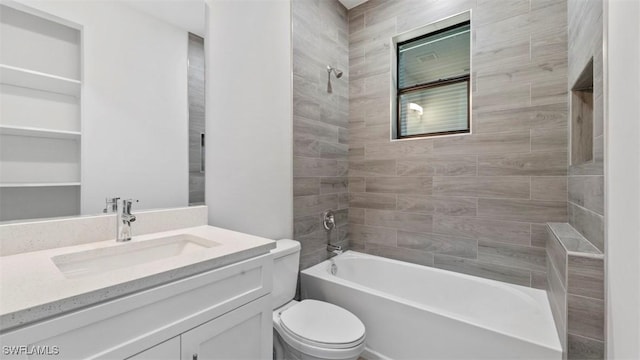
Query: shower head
{"type": "Point", "coordinates": [337, 72]}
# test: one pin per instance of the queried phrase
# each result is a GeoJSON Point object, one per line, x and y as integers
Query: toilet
{"type": "Point", "coordinates": [308, 329]}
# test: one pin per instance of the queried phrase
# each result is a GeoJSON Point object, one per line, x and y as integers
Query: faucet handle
{"type": "Point", "coordinates": [328, 220]}
{"type": "Point", "coordinates": [126, 206]}
{"type": "Point", "coordinates": [111, 205]}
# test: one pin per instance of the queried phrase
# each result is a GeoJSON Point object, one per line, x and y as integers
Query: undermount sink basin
{"type": "Point", "coordinates": [90, 262]}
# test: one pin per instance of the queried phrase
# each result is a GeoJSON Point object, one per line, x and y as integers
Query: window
{"type": "Point", "coordinates": [433, 80]}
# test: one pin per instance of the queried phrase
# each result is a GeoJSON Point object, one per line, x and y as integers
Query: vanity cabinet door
{"type": "Point", "coordinates": [244, 333]}
{"type": "Point", "coordinates": [168, 350]}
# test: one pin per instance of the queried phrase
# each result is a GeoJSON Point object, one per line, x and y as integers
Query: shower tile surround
{"type": "Point", "coordinates": [476, 203]}
{"type": "Point", "coordinates": [586, 181]}
{"type": "Point", "coordinates": [575, 259]}
{"type": "Point", "coordinates": [320, 124]}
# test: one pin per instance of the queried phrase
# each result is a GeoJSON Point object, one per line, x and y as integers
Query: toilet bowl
{"type": "Point", "coordinates": [309, 329]}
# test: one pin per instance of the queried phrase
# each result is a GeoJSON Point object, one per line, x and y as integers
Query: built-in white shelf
{"type": "Point", "coordinates": [39, 132]}
{"type": "Point", "coordinates": [31, 79]}
{"type": "Point", "coordinates": [33, 185]}
{"type": "Point", "coordinates": [40, 128]}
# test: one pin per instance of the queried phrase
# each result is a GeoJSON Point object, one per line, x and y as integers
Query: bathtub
{"type": "Point", "coordinates": [417, 312]}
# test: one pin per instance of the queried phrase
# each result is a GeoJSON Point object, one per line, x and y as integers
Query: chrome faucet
{"type": "Point", "coordinates": [124, 218]}
{"type": "Point", "coordinates": [335, 249]}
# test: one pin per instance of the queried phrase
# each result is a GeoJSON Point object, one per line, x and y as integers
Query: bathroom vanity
{"type": "Point", "coordinates": [186, 293]}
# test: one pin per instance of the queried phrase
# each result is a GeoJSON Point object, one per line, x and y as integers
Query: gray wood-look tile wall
{"type": "Point", "coordinates": [320, 124]}
{"type": "Point", "coordinates": [557, 286]}
{"type": "Point", "coordinates": [475, 204]}
{"type": "Point", "coordinates": [585, 276]}
{"type": "Point", "coordinates": [196, 118]}
{"type": "Point", "coordinates": [586, 181]}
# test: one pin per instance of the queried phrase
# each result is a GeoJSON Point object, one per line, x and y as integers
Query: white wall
{"type": "Point", "coordinates": [622, 176]}
{"type": "Point", "coordinates": [134, 104]}
{"type": "Point", "coordinates": [249, 127]}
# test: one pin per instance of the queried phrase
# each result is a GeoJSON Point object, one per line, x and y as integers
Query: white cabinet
{"type": "Point", "coordinates": [168, 350]}
{"type": "Point", "coordinates": [40, 131]}
{"type": "Point", "coordinates": [220, 314]}
{"type": "Point", "coordinates": [244, 333]}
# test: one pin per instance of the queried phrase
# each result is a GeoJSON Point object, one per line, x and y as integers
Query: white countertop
{"type": "Point", "coordinates": [33, 288]}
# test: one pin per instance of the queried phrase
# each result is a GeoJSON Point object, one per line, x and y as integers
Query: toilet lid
{"type": "Point", "coordinates": [322, 323]}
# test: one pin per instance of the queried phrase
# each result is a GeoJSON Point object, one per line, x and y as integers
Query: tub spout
{"type": "Point", "coordinates": [336, 249]}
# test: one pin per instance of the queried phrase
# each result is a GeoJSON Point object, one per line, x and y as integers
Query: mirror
{"type": "Point", "coordinates": [100, 99]}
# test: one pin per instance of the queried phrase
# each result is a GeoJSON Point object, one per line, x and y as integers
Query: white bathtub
{"type": "Point", "coordinates": [417, 312]}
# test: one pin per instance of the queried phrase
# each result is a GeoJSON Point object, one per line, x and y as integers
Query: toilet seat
{"type": "Point", "coordinates": [322, 324]}
{"type": "Point", "coordinates": [320, 329]}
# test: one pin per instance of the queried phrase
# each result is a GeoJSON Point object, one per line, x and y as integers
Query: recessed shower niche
{"type": "Point", "coordinates": [582, 117]}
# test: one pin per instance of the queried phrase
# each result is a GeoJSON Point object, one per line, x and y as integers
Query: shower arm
{"type": "Point", "coordinates": [336, 72]}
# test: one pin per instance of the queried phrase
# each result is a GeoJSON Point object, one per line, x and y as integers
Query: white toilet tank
{"type": "Point", "coordinates": [286, 257]}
